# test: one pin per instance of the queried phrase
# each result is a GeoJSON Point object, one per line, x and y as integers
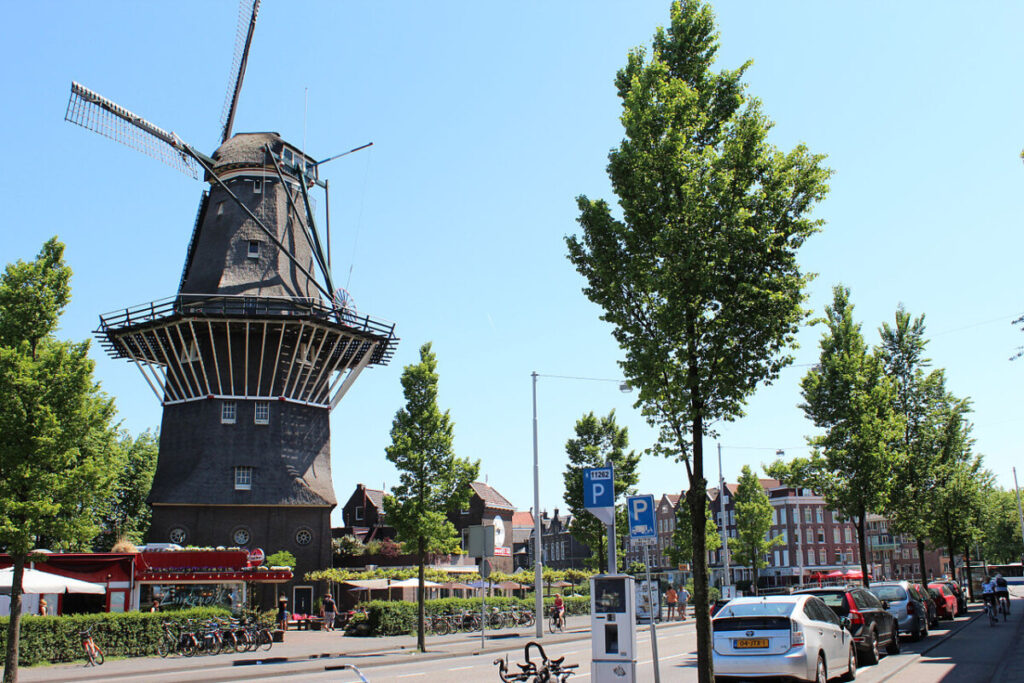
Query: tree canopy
{"type": "Point", "coordinates": [847, 396]}
{"type": "Point", "coordinates": [433, 481]}
{"type": "Point", "coordinates": [126, 515]}
{"type": "Point", "coordinates": [753, 522]}
{"type": "Point", "coordinates": [698, 273]}
{"type": "Point", "coordinates": [56, 439]}
{"type": "Point", "coordinates": [598, 440]}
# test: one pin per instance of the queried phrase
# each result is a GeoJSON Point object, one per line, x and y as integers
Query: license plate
{"type": "Point", "coordinates": [742, 643]}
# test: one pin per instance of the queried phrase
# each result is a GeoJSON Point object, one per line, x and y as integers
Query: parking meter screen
{"type": "Point", "coordinates": [610, 596]}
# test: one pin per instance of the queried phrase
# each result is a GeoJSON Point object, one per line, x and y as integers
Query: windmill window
{"type": "Point", "coordinates": [287, 157]}
{"type": "Point", "coordinates": [243, 478]}
{"type": "Point", "coordinates": [220, 208]}
{"type": "Point", "coordinates": [228, 412]}
{"type": "Point", "coordinates": [359, 513]}
{"type": "Point", "coordinates": [257, 186]}
{"type": "Point", "coordinates": [254, 249]}
{"type": "Point", "coordinates": [262, 416]}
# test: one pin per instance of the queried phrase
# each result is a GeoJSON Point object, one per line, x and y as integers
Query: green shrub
{"type": "Point", "coordinates": [131, 634]}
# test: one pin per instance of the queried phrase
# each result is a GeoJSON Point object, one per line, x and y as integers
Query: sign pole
{"type": "Point", "coordinates": [483, 607]}
{"type": "Point", "coordinates": [650, 601]}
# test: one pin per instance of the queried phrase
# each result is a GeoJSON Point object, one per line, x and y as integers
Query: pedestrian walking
{"type": "Point", "coordinates": [282, 613]}
{"type": "Point", "coordinates": [684, 597]}
{"type": "Point", "coordinates": [330, 612]}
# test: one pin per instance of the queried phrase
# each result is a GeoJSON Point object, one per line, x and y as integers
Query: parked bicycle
{"type": "Point", "coordinates": [92, 650]}
{"type": "Point", "coordinates": [548, 670]}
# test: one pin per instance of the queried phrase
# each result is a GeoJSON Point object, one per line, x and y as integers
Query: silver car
{"type": "Point", "coordinates": [905, 605]}
{"type": "Point", "coordinates": [797, 636]}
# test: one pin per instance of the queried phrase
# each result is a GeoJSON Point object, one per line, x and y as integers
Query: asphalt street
{"type": "Point", "coordinates": [967, 650]}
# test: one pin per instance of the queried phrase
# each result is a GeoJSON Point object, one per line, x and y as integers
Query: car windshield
{"type": "Point", "coordinates": [833, 599]}
{"type": "Point", "coordinates": [755, 609]}
{"type": "Point", "coordinates": [890, 593]}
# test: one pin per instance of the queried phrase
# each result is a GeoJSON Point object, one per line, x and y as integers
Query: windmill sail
{"type": "Point", "coordinates": [247, 11]}
{"type": "Point", "coordinates": [96, 113]}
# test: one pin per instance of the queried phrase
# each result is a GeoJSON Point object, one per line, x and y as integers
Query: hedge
{"type": "Point", "coordinates": [128, 634]}
{"type": "Point", "coordinates": [396, 617]}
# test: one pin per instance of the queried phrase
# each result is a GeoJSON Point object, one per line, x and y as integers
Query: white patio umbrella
{"type": "Point", "coordinates": [36, 581]}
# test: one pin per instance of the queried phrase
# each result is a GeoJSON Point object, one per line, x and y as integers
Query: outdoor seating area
{"type": "Point", "coordinates": [305, 622]}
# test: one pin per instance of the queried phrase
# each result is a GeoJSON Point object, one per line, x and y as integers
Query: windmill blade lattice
{"type": "Point", "coordinates": [247, 11]}
{"type": "Point", "coordinates": [96, 113]}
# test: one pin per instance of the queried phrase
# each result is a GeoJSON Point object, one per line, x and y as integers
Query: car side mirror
{"type": "Point", "coordinates": [885, 604]}
{"type": "Point", "coordinates": [845, 622]}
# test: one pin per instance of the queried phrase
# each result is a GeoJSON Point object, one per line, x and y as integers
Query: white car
{"type": "Point", "coordinates": [797, 636]}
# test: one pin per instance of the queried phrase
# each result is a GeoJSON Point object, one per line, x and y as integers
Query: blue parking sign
{"type": "Point", "coordinates": [640, 513]}
{"type": "Point", "coordinates": [598, 488]}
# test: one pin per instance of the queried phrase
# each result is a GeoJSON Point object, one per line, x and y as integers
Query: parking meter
{"type": "Point", "coordinates": [613, 629]}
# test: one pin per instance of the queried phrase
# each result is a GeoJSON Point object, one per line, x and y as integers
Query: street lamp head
{"type": "Point", "coordinates": [625, 387]}
{"type": "Point", "coordinates": [780, 453]}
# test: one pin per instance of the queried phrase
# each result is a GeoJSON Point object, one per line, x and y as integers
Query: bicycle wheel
{"type": "Point", "coordinates": [95, 654]}
{"type": "Point", "coordinates": [164, 646]}
{"type": "Point", "coordinates": [189, 646]}
{"type": "Point", "coordinates": [441, 626]}
{"type": "Point", "coordinates": [266, 640]}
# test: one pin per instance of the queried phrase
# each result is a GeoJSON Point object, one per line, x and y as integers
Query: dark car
{"type": "Point", "coordinates": [903, 601]}
{"type": "Point", "coordinates": [870, 624]}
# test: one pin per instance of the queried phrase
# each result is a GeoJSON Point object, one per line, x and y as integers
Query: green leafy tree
{"type": "Point", "coordinates": [847, 396]}
{"type": "Point", "coordinates": [699, 277]}
{"type": "Point", "coordinates": [127, 515]}
{"type": "Point", "coordinates": [56, 438]}
{"type": "Point", "coordinates": [681, 550]}
{"type": "Point", "coordinates": [597, 441]}
{"type": "Point", "coordinates": [433, 482]}
{"type": "Point", "coordinates": [922, 400]}
{"type": "Point", "coordinates": [1000, 537]}
{"type": "Point", "coordinates": [753, 522]}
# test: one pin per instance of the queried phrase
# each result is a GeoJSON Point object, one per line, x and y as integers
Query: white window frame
{"type": "Point", "coordinates": [253, 250]}
{"type": "Point", "coordinates": [358, 513]}
{"type": "Point", "coordinates": [228, 412]}
{"type": "Point", "coordinates": [264, 407]}
{"type": "Point", "coordinates": [257, 186]}
{"type": "Point", "coordinates": [243, 478]}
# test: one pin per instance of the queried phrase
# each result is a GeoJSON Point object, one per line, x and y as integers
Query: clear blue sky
{"type": "Point", "coordinates": [488, 120]}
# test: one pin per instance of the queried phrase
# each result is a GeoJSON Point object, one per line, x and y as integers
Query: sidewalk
{"type": "Point", "coordinates": [314, 647]}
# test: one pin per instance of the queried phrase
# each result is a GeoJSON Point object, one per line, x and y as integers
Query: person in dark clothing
{"type": "Point", "coordinates": [330, 612]}
{"type": "Point", "coordinates": [282, 613]}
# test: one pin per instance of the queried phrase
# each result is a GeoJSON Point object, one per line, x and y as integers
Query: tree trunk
{"type": "Point", "coordinates": [967, 566]}
{"type": "Point", "coordinates": [862, 546]}
{"type": "Point", "coordinates": [696, 497]}
{"type": "Point", "coordinates": [421, 638]}
{"type": "Point", "coordinates": [753, 571]}
{"type": "Point", "coordinates": [920, 559]}
{"type": "Point", "coordinates": [14, 625]}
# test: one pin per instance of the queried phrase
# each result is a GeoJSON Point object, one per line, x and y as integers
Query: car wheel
{"type": "Point", "coordinates": [893, 648]}
{"type": "Point", "coordinates": [851, 671]}
{"type": "Point", "coordinates": [872, 655]}
{"type": "Point", "coordinates": [821, 673]}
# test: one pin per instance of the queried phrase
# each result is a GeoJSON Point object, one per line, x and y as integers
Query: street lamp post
{"type": "Point", "coordinates": [538, 580]}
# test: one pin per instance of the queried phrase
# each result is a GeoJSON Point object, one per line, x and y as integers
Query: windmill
{"type": "Point", "coordinates": [255, 349]}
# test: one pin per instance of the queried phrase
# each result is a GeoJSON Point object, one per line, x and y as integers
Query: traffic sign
{"type": "Point", "coordinates": [598, 488]}
{"type": "Point", "coordinates": [599, 493]}
{"type": "Point", "coordinates": [640, 511]}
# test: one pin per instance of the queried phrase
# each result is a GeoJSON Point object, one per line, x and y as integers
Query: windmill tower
{"type": "Point", "coordinates": [256, 348]}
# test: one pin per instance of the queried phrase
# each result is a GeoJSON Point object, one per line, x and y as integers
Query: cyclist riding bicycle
{"type": "Point", "coordinates": [560, 610]}
{"type": "Point", "coordinates": [988, 594]}
{"type": "Point", "coordinates": [1002, 591]}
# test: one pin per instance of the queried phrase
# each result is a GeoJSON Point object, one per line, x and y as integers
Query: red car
{"type": "Point", "coordinates": [946, 600]}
